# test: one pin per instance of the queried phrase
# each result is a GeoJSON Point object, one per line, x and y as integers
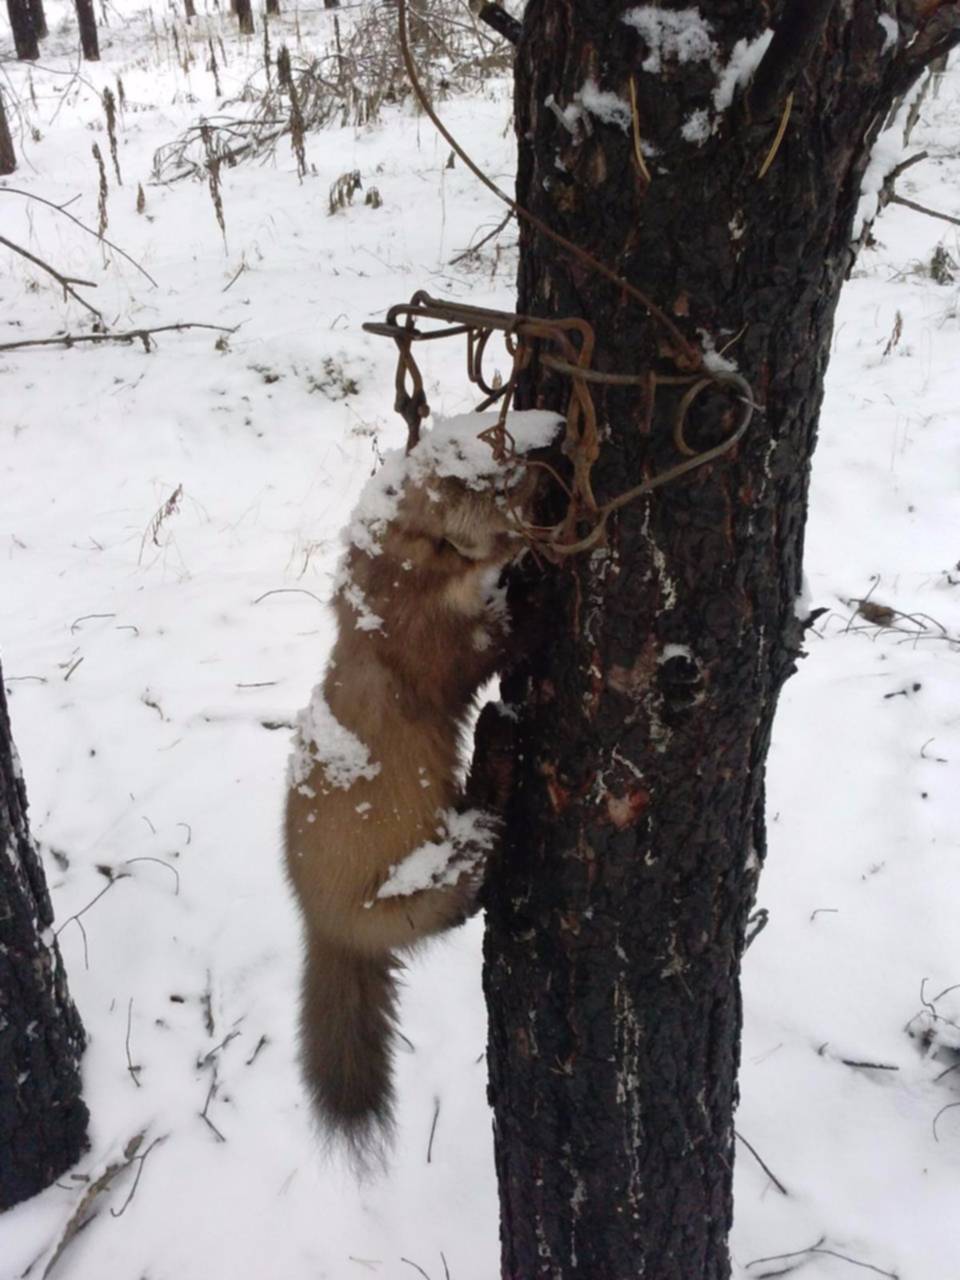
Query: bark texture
{"type": "Point", "coordinates": [636, 825]}
{"type": "Point", "coordinates": [43, 1119]}
{"type": "Point", "coordinates": [39, 19]}
{"type": "Point", "coordinates": [8, 157]}
{"type": "Point", "coordinates": [87, 21]}
{"type": "Point", "coordinates": [244, 17]}
{"type": "Point", "coordinates": [23, 28]}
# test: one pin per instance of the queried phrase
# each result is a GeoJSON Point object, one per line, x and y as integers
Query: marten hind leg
{"type": "Point", "coordinates": [390, 924]}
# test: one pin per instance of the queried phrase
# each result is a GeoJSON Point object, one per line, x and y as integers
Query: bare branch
{"type": "Point", "coordinates": [65, 282]}
{"type": "Point", "coordinates": [495, 16]}
{"type": "Point", "coordinates": [62, 208]}
{"type": "Point", "coordinates": [921, 208]}
{"type": "Point", "coordinates": [128, 335]}
{"type": "Point", "coordinates": [937, 31]}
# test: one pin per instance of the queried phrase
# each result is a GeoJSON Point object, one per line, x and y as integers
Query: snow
{"type": "Point", "coordinates": [891, 30]}
{"type": "Point", "coordinates": [451, 448]}
{"type": "Point", "coordinates": [161, 756]}
{"type": "Point", "coordinates": [463, 839]}
{"type": "Point", "coordinates": [743, 62]}
{"type": "Point", "coordinates": [606, 106]}
{"type": "Point", "coordinates": [320, 738]}
{"type": "Point", "coordinates": [679, 35]}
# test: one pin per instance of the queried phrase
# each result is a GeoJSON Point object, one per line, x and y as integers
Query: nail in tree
{"type": "Point", "coordinates": [43, 1119]}
{"type": "Point", "coordinates": [635, 832]}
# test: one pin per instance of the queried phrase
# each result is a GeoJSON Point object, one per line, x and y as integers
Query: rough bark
{"type": "Point", "coordinates": [43, 1119]}
{"type": "Point", "coordinates": [87, 21]}
{"type": "Point", "coordinates": [39, 19]}
{"type": "Point", "coordinates": [636, 826]}
{"type": "Point", "coordinates": [24, 31]}
{"type": "Point", "coordinates": [8, 157]}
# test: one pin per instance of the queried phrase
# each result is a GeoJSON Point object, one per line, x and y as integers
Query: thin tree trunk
{"type": "Point", "coordinates": [244, 17]}
{"type": "Point", "coordinates": [39, 19]}
{"type": "Point", "coordinates": [87, 22]}
{"type": "Point", "coordinates": [24, 32]}
{"type": "Point", "coordinates": [8, 157]}
{"type": "Point", "coordinates": [43, 1120]}
{"type": "Point", "coordinates": [189, 10]}
{"type": "Point", "coordinates": [636, 830]}
{"type": "Point", "coordinates": [273, 7]}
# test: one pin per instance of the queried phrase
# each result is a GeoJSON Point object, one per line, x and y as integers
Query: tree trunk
{"type": "Point", "coordinates": [24, 31]}
{"type": "Point", "coordinates": [273, 7]}
{"type": "Point", "coordinates": [636, 828]}
{"type": "Point", "coordinates": [8, 157]}
{"type": "Point", "coordinates": [43, 1120]}
{"type": "Point", "coordinates": [244, 17]}
{"type": "Point", "coordinates": [39, 19]}
{"type": "Point", "coordinates": [87, 22]}
{"type": "Point", "coordinates": [189, 10]}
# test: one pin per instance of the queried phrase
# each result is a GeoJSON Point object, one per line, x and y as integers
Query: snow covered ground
{"type": "Point", "coordinates": [169, 534]}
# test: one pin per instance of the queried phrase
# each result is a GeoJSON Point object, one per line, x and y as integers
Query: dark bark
{"type": "Point", "coordinates": [189, 10]}
{"type": "Point", "coordinates": [273, 7]}
{"type": "Point", "coordinates": [43, 1120]}
{"type": "Point", "coordinates": [8, 157]}
{"type": "Point", "coordinates": [244, 17]}
{"type": "Point", "coordinates": [635, 831]}
{"type": "Point", "coordinates": [39, 19]}
{"type": "Point", "coordinates": [87, 21]}
{"type": "Point", "coordinates": [24, 31]}
{"type": "Point", "coordinates": [495, 16]}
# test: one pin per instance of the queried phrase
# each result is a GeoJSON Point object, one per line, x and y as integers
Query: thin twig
{"type": "Point", "coordinates": [949, 1107]}
{"type": "Point", "coordinates": [84, 1212]}
{"type": "Point", "coordinates": [433, 1128]}
{"type": "Point", "coordinates": [474, 248]}
{"type": "Point", "coordinates": [62, 208]}
{"type": "Point", "coordinates": [130, 1067]}
{"type": "Point", "coordinates": [75, 625]}
{"type": "Point", "coordinates": [118, 1213]}
{"type": "Point", "coordinates": [129, 335]}
{"type": "Point", "coordinates": [765, 1167]}
{"type": "Point", "coordinates": [160, 863]}
{"type": "Point", "coordinates": [920, 208]}
{"type": "Point", "coordinates": [66, 282]}
{"type": "Point", "coordinates": [75, 918]}
{"type": "Point", "coordinates": [279, 591]}
{"type": "Point", "coordinates": [416, 1267]}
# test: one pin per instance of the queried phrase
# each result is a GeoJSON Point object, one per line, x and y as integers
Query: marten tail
{"type": "Point", "coordinates": [347, 1019]}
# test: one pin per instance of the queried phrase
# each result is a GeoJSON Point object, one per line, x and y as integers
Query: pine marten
{"type": "Point", "coordinates": [379, 849]}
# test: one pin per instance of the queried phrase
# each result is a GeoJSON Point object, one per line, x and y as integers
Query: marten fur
{"type": "Point", "coordinates": [420, 626]}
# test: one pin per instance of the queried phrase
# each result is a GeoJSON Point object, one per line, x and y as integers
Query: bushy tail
{"type": "Point", "coordinates": [347, 1021]}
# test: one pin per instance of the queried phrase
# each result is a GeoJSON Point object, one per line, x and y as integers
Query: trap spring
{"type": "Point", "coordinates": [565, 347]}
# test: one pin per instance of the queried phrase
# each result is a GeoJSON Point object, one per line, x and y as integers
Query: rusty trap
{"type": "Point", "coordinates": [566, 347]}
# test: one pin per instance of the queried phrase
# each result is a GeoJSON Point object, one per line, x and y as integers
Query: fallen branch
{"type": "Point", "coordinates": [85, 1211]}
{"type": "Point", "coordinates": [129, 335]}
{"type": "Point", "coordinates": [66, 282]}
